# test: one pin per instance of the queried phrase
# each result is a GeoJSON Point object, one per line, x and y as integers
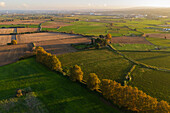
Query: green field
{"type": "Point", "coordinates": [97, 25]}
{"type": "Point", "coordinates": [152, 82]}
{"type": "Point", "coordinates": [105, 63]}
{"type": "Point", "coordinates": [20, 26]}
{"type": "Point", "coordinates": [154, 58]}
{"type": "Point", "coordinates": [159, 42]}
{"type": "Point", "coordinates": [55, 92]}
{"type": "Point", "coordinates": [139, 47]}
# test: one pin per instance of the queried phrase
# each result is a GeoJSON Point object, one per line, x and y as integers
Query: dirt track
{"type": "Point", "coordinates": [11, 53]}
{"type": "Point", "coordinates": [130, 40]}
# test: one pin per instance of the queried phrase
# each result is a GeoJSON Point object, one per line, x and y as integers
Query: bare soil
{"type": "Point", "coordinates": [36, 37]}
{"type": "Point", "coordinates": [130, 40]}
{"type": "Point", "coordinates": [159, 35]}
{"type": "Point", "coordinates": [4, 39]}
{"type": "Point", "coordinates": [55, 43]}
{"type": "Point", "coordinates": [61, 46]}
{"type": "Point", "coordinates": [22, 22]}
{"type": "Point", "coordinates": [6, 30]}
{"type": "Point", "coordinates": [54, 24]}
{"type": "Point", "coordinates": [23, 30]}
{"type": "Point", "coordinates": [11, 53]}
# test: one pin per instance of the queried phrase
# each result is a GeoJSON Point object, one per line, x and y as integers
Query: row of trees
{"type": "Point", "coordinates": [48, 59]}
{"type": "Point", "coordinates": [132, 98]}
{"type": "Point", "coordinates": [123, 96]}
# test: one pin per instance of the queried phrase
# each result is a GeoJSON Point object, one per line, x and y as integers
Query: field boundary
{"type": "Point", "coordinates": [138, 63]}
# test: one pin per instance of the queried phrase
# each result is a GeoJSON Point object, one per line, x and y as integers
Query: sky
{"type": "Point", "coordinates": [79, 4]}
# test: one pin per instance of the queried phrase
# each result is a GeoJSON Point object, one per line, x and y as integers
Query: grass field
{"type": "Point", "coordinates": [133, 47]}
{"type": "Point", "coordinates": [154, 58]}
{"type": "Point", "coordinates": [105, 63]}
{"type": "Point", "coordinates": [56, 92]}
{"type": "Point", "coordinates": [152, 82]}
{"type": "Point", "coordinates": [97, 25]}
{"type": "Point", "coordinates": [20, 25]}
{"type": "Point", "coordinates": [159, 41]}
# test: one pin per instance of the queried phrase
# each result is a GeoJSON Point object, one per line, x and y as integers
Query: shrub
{"type": "Point", "coordinates": [19, 93]}
{"type": "Point", "coordinates": [93, 82]}
{"type": "Point", "coordinates": [72, 32]}
{"type": "Point", "coordinates": [76, 73]}
{"type": "Point", "coordinates": [13, 42]}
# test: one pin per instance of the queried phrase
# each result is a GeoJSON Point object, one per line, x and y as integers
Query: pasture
{"type": "Point", "coordinates": [52, 90]}
{"type": "Point", "coordinates": [152, 82]}
{"type": "Point", "coordinates": [105, 63]}
{"type": "Point", "coordinates": [154, 58]}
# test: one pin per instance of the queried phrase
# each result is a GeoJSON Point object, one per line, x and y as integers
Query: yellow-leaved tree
{"type": "Point", "coordinates": [93, 82]}
{"type": "Point", "coordinates": [76, 73]}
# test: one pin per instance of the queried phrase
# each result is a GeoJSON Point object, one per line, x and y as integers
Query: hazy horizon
{"type": "Point", "coordinates": [78, 4]}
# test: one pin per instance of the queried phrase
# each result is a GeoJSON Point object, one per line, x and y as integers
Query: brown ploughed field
{"type": "Point", "coordinates": [6, 30]}
{"type": "Point", "coordinates": [54, 24]}
{"type": "Point", "coordinates": [55, 43]}
{"type": "Point", "coordinates": [11, 53]}
{"type": "Point", "coordinates": [4, 39]}
{"type": "Point", "coordinates": [130, 40]}
{"type": "Point", "coordinates": [22, 22]}
{"type": "Point", "coordinates": [61, 46]}
{"type": "Point", "coordinates": [36, 37]}
{"type": "Point", "coordinates": [23, 30]}
{"type": "Point", "coordinates": [159, 35]}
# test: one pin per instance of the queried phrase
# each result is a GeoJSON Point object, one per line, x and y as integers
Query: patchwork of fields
{"type": "Point", "coordinates": [57, 92]}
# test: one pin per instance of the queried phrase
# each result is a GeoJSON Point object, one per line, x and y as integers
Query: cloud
{"type": "Point", "coordinates": [2, 4]}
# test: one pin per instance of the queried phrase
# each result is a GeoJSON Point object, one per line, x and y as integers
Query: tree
{"type": "Point", "coordinates": [76, 73]}
{"type": "Point", "coordinates": [163, 107]}
{"type": "Point", "coordinates": [111, 24]}
{"type": "Point", "coordinates": [93, 82]}
{"type": "Point", "coordinates": [55, 64]}
{"type": "Point", "coordinates": [13, 42]}
{"type": "Point", "coordinates": [108, 37]}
